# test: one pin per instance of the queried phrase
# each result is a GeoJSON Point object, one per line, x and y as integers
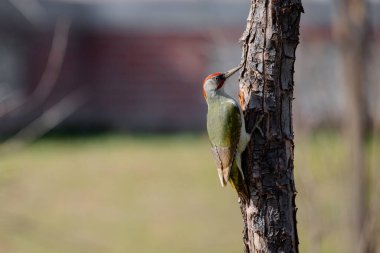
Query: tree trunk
{"type": "Point", "coordinates": [353, 44]}
{"type": "Point", "coordinates": [266, 90]}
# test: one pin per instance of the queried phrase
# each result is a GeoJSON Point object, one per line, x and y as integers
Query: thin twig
{"type": "Point", "coordinates": [51, 73]}
{"type": "Point", "coordinates": [32, 10]}
{"type": "Point", "coordinates": [47, 121]}
{"type": "Point", "coordinates": [55, 61]}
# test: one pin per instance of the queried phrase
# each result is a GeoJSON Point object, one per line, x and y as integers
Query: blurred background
{"type": "Point", "coordinates": [103, 126]}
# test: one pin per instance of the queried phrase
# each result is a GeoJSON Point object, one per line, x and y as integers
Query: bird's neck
{"type": "Point", "coordinates": [211, 94]}
{"type": "Point", "coordinates": [216, 96]}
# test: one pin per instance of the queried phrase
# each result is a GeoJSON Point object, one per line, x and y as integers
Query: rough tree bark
{"type": "Point", "coordinates": [266, 89]}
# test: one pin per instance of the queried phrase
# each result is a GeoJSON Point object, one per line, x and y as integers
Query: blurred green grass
{"type": "Point", "coordinates": [118, 193]}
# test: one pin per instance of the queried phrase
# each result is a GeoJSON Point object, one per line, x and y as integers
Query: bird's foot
{"type": "Point", "coordinates": [256, 126]}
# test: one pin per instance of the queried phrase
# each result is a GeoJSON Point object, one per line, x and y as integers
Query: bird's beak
{"type": "Point", "coordinates": [232, 71]}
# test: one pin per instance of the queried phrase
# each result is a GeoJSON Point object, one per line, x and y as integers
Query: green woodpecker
{"type": "Point", "coordinates": [226, 130]}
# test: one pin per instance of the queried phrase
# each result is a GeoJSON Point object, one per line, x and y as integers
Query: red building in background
{"type": "Point", "coordinates": [141, 64]}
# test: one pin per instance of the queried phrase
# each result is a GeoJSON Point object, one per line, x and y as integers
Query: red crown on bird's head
{"type": "Point", "coordinates": [209, 77]}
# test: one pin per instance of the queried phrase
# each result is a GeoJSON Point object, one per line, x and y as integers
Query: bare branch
{"type": "Point", "coordinates": [51, 73]}
{"type": "Point", "coordinates": [32, 10]}
{"type": "Point", "coordinates": [47, 121]}
{"type": "Point", "coordinates": [55, 61]}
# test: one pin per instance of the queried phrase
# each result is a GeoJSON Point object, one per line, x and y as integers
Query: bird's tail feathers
{"type": "Point", "coordinates": [224, 175]}
{"type": "Point", "coordinates": [237, 182]}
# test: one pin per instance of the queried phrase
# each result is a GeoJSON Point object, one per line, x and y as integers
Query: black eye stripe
{"type": "Point", "coordinates": [218, 78]}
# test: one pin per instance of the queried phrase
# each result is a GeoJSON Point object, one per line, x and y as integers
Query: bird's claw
{"type": "Point", "coordinates": [257, 125]}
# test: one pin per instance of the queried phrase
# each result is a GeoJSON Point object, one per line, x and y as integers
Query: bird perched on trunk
{"type": "Point", "coordinates": [226, 131]}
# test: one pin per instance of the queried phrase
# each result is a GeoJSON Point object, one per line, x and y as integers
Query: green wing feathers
{"type": "Point", "coordinates": [224, 123]}
{"type": "Point", "coordinates": [223, 127]}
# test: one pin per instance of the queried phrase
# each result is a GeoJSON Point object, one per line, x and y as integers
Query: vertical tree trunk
{"type": "Point", "coordinates": [266, 89]}
{"type": "Point", "coordinates": [353, 43]}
